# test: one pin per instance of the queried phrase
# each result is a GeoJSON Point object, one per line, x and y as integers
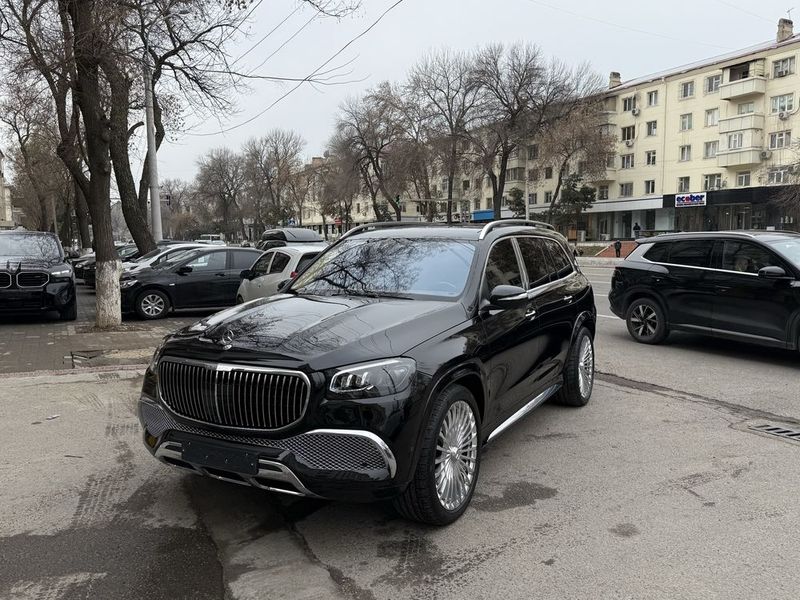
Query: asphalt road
{"type": "Point", "coordinates": [659, 488]}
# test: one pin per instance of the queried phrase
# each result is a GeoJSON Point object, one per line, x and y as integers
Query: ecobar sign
{"type": "Point", "coordinates": [684, 200]}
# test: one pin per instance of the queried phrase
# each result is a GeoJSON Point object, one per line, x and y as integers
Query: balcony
{"type": "Point", "coordinates": [739, 157]}
{"type": "Point", "coordinates": [741, 122]}
{"type": "Point", "coordinates": [743, 87]}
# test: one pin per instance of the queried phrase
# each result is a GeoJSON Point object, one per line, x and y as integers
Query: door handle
{"type": "Point", "coordinates": [722, 288]}
{"type": "Point", "coordinates": [530, 313]}
{"type": "Point", "coordinates": [567, 298]}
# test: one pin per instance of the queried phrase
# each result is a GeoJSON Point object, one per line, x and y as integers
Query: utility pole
{"type": "Point", "coordinates": [152, 159]}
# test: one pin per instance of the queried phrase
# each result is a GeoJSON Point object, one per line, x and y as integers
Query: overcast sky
{"type": "Point", "coordinates": [633, 37]}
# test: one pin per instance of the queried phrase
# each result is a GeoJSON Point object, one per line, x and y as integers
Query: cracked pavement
{"type": "Point", "coordinates": [656, 489]}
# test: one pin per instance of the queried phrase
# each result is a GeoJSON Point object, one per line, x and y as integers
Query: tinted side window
{"type": "Point", "coordinates": [242, 259]}
{"type": "Point", "coordinates": [691, 253]}
{"type": "Point", "coordinates": [262, 264]}
{"type": "Point", "coordinates": [746, 258]}
{"type": "Point", "coordinates": [503, 267]}
{"type": "Point", "coordinates": [305, 260]}
{"type": "Point", "coordinates": [533, 254]}
{"type": "Point", "coordinates": [279, 262]}
{"type": "Point", "coordinates": [658, 253]}
{"type": "Point", "coordinates": [558, 259]}
{"type": "Point", "coordinates": [213, 261]}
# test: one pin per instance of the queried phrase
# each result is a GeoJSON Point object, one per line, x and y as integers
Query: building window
{"type": "Point", "coordinates": [602, 192]}
{"type": "Point", "coordinates": [627, 161]}
{"type": "Point", "coordinates": [778, 175]}
{"type": "Point", "coordinates": [651, 157]}
{"type": "Point", "coordinates": [515, 174]}
{"type": "Point", "coordinates": [745, 108]}
{"type": "Point", "coordinates": [489, 203]}
{"type": "Point", "coordinates": [683, 185]}
{"type": "Point", "coordinates": [712, 117]}
{"type": "Point", "coordinates": [629, 103]}
{"type": "Point", "coordinates": [783, 103]}
{"type": "Point", "coordinates": [628, 133]}
{"type": "Point", "coordinates": [735, 140]}
{"type": "Point", "coordinates": [743, 178]}
{"type": "Point", "coordinates": [611, 161]}
{"type": "Point", "coordinates": [476, 204]}
{"type": "Point", "coordinates": [783, 67]}
{"type": "Point", "coordinates": [686, 122]}
{"type": "Point", "coordinates": [533, 151]}
{"type": "Point", "coordinates": [712, 83]}
{"type": "Point", "coordinates": [548, 172]}
{"type": "Point", "coordinates": [652, 98]}
{"type": "Point", "coordinates": [712, 182]}
{"type": "Point", "coordinates": [652, 127]}
{"type": "Point", "coordinates": [625, 190]}
{"type": "Point", "coordinates": [710, 149]}
{"type": "Point", "coordinates": [686, 89]}
{"type": "Point", "coordinates": [548, 197]}
{"type": "Point", "coordinates": [402, 207]}
{"type": "Point", "coordinates": [358, 207]}
{"type": "Point", "coordinates": [739, 72]}
{"type": "Point", "coordinates": [465, 184]}
{"type": "Point", "coordinates": [685, 153]}
{"type": "Point", "coordinates": [780, 139]}
{"type": "Point", "coordinates": [533, 198]}
{"type": "Point", "coordinates": [650, 186]}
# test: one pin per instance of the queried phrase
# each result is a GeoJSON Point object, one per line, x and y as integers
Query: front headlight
{"type": "Point", "coordinates": [371, 380]}
{"type": "Point", "coordinates": [126, 283]}
{"type": "Point", "coordinates": [64, 272]}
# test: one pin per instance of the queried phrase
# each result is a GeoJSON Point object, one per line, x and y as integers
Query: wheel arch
{"type": "Point", "coordinates": [158, 288]}
{"type": "Point", "coordinates": [638, 294]}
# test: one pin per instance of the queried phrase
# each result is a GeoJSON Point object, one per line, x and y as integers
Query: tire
{"type": "Point", "coordinates": [70, 313]}
{"type": "Point", "coordinates": [647, 323]}
{"type": "Point", "coordinates": [421, 500]}
{"type": "Point", "coordinates": [578, 372]}
{"type": "Point", "coordinates": [152, 304]}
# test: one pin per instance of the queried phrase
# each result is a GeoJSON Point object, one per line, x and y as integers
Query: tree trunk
{"type": "Point", "coordinates": [88, 95]}
{"type": "Point", "coordinates": [135, 218]}
{"type": "Point", "coordinates": [557, 191]}
{"type": "Point", "coordinates": [82, 216]}
{"type": "Point", "coordinates": [497, 200]}
{"type": "Point", "coordinates": [450, 177]}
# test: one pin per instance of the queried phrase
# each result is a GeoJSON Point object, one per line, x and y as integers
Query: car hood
{"type": "Point", "coordinates": [320, 332]}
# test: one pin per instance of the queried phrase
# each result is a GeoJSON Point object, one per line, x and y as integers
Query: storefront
{"type": "Point", "coordinates": [721, 210]}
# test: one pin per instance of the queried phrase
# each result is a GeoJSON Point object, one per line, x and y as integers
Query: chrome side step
{"type": "Point", "coordinates": [170, 453]}
{"type": "Point", "coordinates": [540, 399]}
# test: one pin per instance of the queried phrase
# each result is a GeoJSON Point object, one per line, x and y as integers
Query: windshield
{"type": "Point", "coordinates": [789, 248]}
{"type": "Point", "coordinates": [390, 267]}
{"type": "Point", "coordinates": [149, 255]}
{"type": "Point", "coordinates": [127, 251]}
{"type": "Point", "coordinates": [36, 247]}
{"type": "Point", "coordinates": [175, 258]}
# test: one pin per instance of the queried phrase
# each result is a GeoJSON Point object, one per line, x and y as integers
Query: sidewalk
{"type": "Point", "coordinates": [598, 261]}
{"type": "Point", "coordinates": [41, 343]}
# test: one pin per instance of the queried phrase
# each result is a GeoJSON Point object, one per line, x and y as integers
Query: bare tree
{"type": "Point", "coordinates": [220, 181]}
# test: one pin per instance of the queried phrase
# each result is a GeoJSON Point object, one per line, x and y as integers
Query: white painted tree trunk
{"type": "Point", "coordinates": [109, 307]}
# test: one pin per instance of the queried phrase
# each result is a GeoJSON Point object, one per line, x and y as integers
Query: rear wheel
{"type": "Point", "coordinates": [578, 372]}
{"type": "Point", "coordinates": [447, 471]}
{"type": "Point", "coordinates": [646, 321]}
{"type": "Point", "coordinates": [152, 304]}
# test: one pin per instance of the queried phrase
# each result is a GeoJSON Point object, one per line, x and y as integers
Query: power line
{"type": "Point", "coordinates": [279, 48]}
{"type": "Point", "coordinates": [745, 11]}
{"type": "Point", "coordinates": [624, 27]}
{"type": "Point", "coordinates": [269, 33]}
{"type": "Point", "coordinates": [307, 77]}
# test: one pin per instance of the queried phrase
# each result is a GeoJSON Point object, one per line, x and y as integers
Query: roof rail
{"type": "Point", "coordinates": [390, 224]}
{"type": "Point", "coordinates": [511, 223]}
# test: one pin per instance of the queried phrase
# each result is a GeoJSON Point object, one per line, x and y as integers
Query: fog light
{"type": "Point", "coordinates": [150, 440]}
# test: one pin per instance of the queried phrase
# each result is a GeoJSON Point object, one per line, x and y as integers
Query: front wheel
{"type": "Point", "coordinates": [578, 372]}
{"type": "Point", "coordinates": [646, 321]}
{"type": "Point", "coordinates": [152, 304]}
{"type": "Point", "coordinates": [447, 471]}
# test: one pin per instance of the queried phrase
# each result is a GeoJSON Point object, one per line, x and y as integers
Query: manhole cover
{"type": "Point", "coordinates": [777, 430]}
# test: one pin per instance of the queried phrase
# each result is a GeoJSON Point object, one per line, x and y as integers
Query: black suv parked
{"type": "Point", "coordinates": [735, 285]}
{"type": "Point", "coordinates": [34, 275]}
{"type": "Point", "coordinates": [197, 278]}
{"type": "Point", "coordinates": [382, 369]}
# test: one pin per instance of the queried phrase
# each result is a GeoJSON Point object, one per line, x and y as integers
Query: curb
{"type": "Point", "coordinates": [133, 370]}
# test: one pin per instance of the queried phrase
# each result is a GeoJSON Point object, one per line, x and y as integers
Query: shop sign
{"type": "Point", "coordinates": [684, 200]}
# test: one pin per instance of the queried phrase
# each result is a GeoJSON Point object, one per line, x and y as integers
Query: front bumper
{"type": "Point", "coordinates": [333, 463]}
{"type": "Point", "coordinates": [56, 295]}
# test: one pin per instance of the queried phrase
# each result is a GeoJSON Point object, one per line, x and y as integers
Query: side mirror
{"type": "Point", "coordinates": [184, 270]}
{"type": "Point", "coordinates": [283, 285]}
{"type": "Point", "coordinates": [774, 273]}
{"type": "Point", "coordinates": [246, 274]}
{"type": "Point", "coordinates": [508, 296]}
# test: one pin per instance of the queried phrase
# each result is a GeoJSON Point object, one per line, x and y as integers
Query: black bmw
{"type": "Point", "coordinates": [382, 369]}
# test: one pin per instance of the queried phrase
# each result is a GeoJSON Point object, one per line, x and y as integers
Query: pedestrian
{"type": "Point", "coordinates": [636, 230]}
{"type": "Point", "coordinates": [617, 247]}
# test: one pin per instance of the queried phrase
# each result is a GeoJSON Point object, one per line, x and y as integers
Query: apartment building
{"type": "Point", "coordinates": [706, 146]}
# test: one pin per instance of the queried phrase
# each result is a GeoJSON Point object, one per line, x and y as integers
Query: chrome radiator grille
{"type": "Point", "coordinates": [233, 395]}
{"type": "Point", "coordinates": [30, 279]}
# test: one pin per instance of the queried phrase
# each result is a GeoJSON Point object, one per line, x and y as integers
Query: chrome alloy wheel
{"type": "Point", "coordinates": [456, 455]}
{"type": "Point", "coordinates": [152, 305]}
{"type": "Point", "coordinates": [644, 320]}
{"type": "Point", "coordinates": [586, 367]}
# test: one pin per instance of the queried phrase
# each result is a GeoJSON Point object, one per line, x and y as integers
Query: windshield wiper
{"type": "Point", "coordinates": [366, 294]}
